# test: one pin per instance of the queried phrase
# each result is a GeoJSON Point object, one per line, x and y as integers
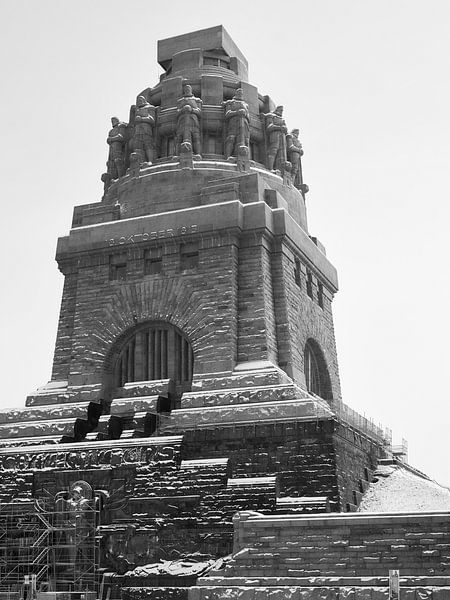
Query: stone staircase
{"type": "Point", "coordinates": [259, 395]}
{"type": "Point", "coordinates": [140, 409]}
{"type": "Point", "coordinates": [133, 413]}
{"type": "Point", "coordinates": [330, 557]}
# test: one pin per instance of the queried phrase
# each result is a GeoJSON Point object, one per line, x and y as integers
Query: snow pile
{"type": "Point", "coordinates": [399, 489]}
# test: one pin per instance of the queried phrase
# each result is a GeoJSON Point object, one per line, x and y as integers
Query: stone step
{"type": "Point", "coordinates": [204, 463]}
{"type": "Point", "coordinates": [129, 406]}
{"type": "Point", "coordinates": [216, 579]}
{"type": "Point", "coordinates": [158, 387]}
{"type": "Point", "coordinates": [72, 420]}
{"type": "Point", "coordinates": [44, 412]}
{"type": "Point", "coordinates": [39, 428]}
{"type": "Point", "coordinates": [30, 441]}
{"type": "Point", "coordinates": [269, 482]}
{"type": "Point", "coordinates": [58, 392]}
{"type": "Point", "coordinates": [241, 378]}
{"type": "Point", "coordinates": [302, 504]}
{"type": "Point", "coordinates": [331, 591]}
{"type": "Point", "coordinates": [268, 393]}
{"type": "Point", "coordinates": [287, 410]}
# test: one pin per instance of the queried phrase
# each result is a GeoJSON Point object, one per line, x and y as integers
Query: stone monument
{"type": "Point", "coordinates": [195, 385]}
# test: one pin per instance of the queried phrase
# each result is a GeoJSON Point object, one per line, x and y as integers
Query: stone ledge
{"type": "Point", "coordinates": [252, 482]}
{"type": "Point", "coordinates": [248, 395]}
{"type": "Point", "coordinates": [204, 462]}
{"type": "Point", "coordinates": [215, 580]}
{"type": "Point", "coordinates": [241, 377]}
{"type": "Point", "coordinates": [341, 519]}
{"type": "Point", "coordinates": [43, 412]}
{"type": "Point", "coordinates": [39, 441]}
{"type": "Point", "coordinates": [129, 406]}
{"type": "Point", "coordinates": [175, 440]}
{"type": "Point", "coordinates": [282, 411]}
{"type": "Point", "coordinates": [329, 592]}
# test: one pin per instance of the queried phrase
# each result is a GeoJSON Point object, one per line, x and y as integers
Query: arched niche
{"type": "Point", "coordinates": [152, 351]}
{"type": "Point", "coordinates": [316, 371]}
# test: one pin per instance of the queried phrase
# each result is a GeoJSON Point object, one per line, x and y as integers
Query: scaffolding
{"type": "Point", "coordinates": [43, 543]}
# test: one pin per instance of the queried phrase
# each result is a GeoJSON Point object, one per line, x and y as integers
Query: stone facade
{"type": "Point", "coordinates": [195, 373]}
{"type": "Point", "coordinates": [330, 557]}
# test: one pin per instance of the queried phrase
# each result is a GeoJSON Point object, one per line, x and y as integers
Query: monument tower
{"type": "Point", "coordinates": [195, 371]}
{"type": "Point", "coordinates": [198, 260]}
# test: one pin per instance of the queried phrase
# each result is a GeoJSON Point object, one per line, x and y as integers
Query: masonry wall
{"type": "Point", "coordinates": [358, 545]}
{"type": "Point", "coordinates": [300, 454]}
{"type": "Point", "coordinates": [201, 301]}
{"type": "Point", "coordinates": [64, 336]}
{"type": "Point", "coordinates": [299, 317]}
{"type": "Point", "coordinates": [256, 321]}
{"type": "Point", "coordinates": [356, 458]}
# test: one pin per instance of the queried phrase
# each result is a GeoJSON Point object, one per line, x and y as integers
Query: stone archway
{"type": "Point", "coordinates": [152, 351]}
{"type": "Point", "coordinates": [316, 371]}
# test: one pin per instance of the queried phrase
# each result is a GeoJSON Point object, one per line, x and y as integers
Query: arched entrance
{"type": "Point", "coordinates": [154, 351]}
{"type": "Point", "coordinates": [316, 372]}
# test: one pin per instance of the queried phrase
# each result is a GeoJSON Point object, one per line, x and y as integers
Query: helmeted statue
{"type": "Point", "coordinates": [188, 122]}
{"type": "Point", "coordinates": [237, 122]}
{"type": "Point", "coordinates": [276, 141]}
{"type": "Point", "coordinates": [294, 153]}
{"type": "Point", "coordinates": [78, 526]}
{"type": "Point", "coordinates": [116, 140]}
{"type": "Point", "coordinates": [144, 122]}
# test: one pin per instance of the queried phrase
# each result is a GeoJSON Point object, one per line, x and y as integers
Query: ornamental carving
{"type": "Point", "coordinates": [86, 459]}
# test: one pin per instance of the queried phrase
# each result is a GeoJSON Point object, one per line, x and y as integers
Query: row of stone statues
{"type": "Point", "coordinates": [284, 150]}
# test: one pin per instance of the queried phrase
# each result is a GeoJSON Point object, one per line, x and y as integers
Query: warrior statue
{"type": "Point", "coordinates": [78, 526]}
{"type": "Point", "coordinates": [116, 140]}
{"type": "Point", "coordinates": [294, 153]}
{"type": "Point", "coordinates": [188, 122]}
{"type": "Point", "coordinates": [276, 142]}
{"type": "Point", "coordinates": [237, 119]}
{"type": "Point", "coordinates": [144, 122]}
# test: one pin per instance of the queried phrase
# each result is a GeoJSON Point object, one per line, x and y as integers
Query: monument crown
{"type": "Point", "coordinates": [204, 46]}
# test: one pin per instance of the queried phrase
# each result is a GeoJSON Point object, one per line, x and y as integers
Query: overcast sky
{"type": "Point", "coordinates": [366, 82]}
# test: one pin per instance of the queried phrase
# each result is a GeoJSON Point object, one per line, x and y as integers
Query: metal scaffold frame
{"type": "Point", "coordinates": [41, 538]}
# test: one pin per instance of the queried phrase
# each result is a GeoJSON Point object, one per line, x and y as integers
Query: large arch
{"type": "Point", "coordinates": [316, 371]}
{"type": "Point", "coordinates": [151, 351]}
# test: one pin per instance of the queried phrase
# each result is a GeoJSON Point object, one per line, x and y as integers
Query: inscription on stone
{"type": "Point", "coordinates": [152, 235]}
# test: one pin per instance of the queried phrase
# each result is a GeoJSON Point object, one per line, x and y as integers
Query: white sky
{"type": "Point", "coordinates": [366, 81]}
